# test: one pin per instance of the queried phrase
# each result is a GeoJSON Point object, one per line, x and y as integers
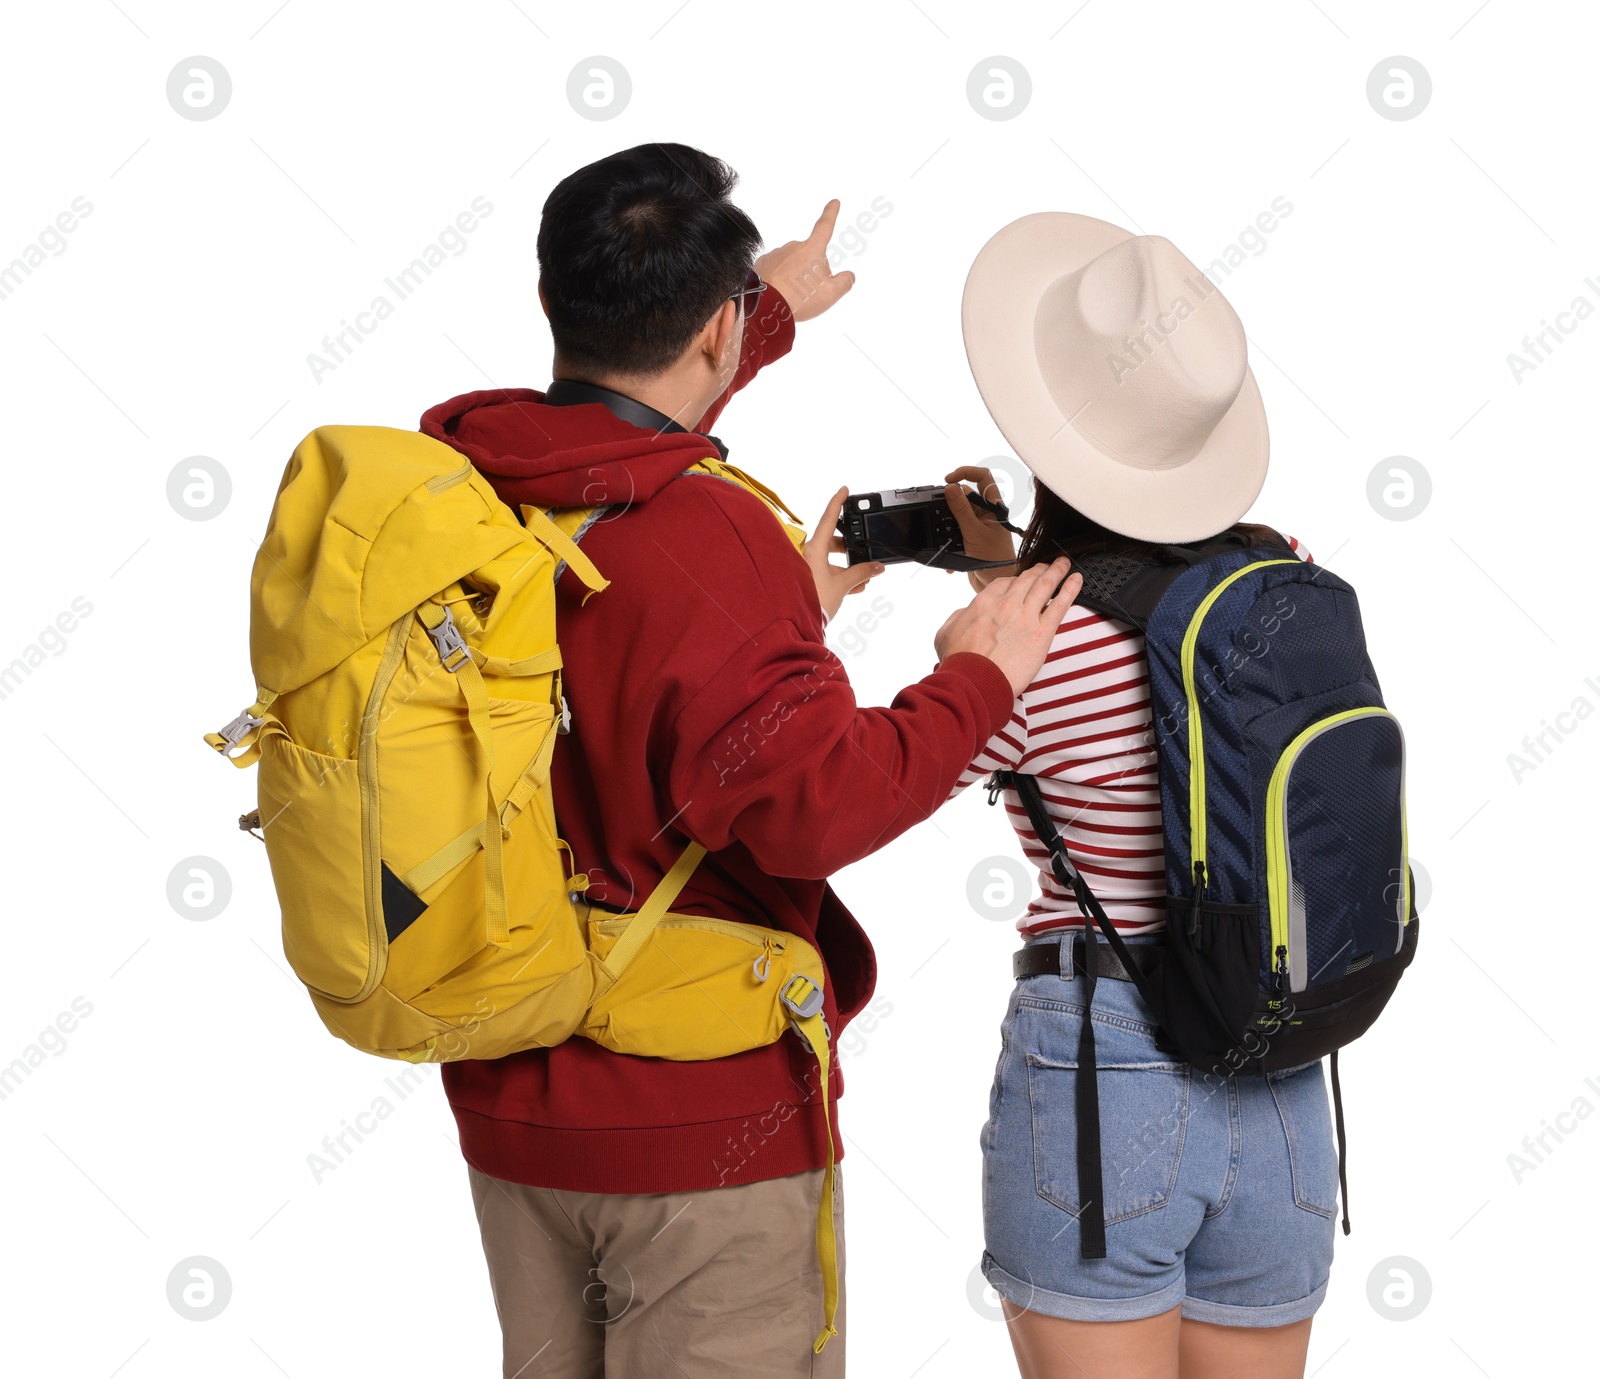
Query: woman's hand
{"type": "Point", "coordinates": [982, 535]}
{"type": "Point", "coordinates": [835, 581]}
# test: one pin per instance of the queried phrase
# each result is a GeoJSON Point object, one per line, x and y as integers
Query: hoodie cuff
{"type": "Point", "coordinates": [774, 324]}
{"type": "Point", "coordinates": [991, 682]}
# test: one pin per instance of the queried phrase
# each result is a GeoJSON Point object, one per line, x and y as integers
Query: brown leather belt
{"type": "Point", "coordinates": [1044, 959]}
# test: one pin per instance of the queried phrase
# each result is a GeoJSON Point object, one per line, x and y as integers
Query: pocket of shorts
{"type": "Point", "coordinates": [1143, 1112]}
{"type": "Point", "coordinates": [1302, 1100]}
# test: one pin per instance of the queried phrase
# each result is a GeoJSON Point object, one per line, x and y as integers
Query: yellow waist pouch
{"type": "Point", "coordinates": [698, 989]}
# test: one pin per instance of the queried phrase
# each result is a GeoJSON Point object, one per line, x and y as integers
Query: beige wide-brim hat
{"type": "Point", "coordinates": [1117, 371]}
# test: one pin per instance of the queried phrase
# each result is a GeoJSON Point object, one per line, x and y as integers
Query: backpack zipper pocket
{"type": "Point", "coordinates": [1357, 813]}
{"type": "Point", "coordinates": [1197, 747]}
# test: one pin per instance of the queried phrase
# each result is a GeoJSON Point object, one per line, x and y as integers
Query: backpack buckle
{"type": "Point", "coordinates": [235, 732]}
{"type": "Point", "coordinates": [449, 643]}
{"type": "Point", "coordinates": [808, 1004]}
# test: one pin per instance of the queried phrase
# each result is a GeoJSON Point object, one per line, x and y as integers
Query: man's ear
{"type": "Point", "coordinates": [544, 305]}
{"type": "Point", "coordinates": [720, 335]}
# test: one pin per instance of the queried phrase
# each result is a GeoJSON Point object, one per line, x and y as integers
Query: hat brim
{"type": "Point", "coordinates": [1187, 502]}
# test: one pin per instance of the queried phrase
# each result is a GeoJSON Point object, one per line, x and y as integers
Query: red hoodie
{"type": "Point", "coordinates": [705, 706]}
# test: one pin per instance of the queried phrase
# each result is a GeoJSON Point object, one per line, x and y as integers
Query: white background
{"type": "Point", "coordinates": [177, 1118]}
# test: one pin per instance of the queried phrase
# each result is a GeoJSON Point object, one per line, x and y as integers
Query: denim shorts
{"type": "Point", "coordinates": [1220, 1193]}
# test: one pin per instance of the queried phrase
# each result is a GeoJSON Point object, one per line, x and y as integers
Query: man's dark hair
{"type": "Point", "coordinates": [637, 252]}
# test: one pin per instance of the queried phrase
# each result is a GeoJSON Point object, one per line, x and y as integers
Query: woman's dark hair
{"type": "Point", "coordinates": [1058, 528]}
{"type": "Point", "coordinates": [637, 252]}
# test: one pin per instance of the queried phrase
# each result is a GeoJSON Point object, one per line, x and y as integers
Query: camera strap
{"type": "Point", "coordinates": [569, 392]}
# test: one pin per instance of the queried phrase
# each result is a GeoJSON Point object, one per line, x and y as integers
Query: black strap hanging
{"type": "Point", "coordinates": [1092, 1218]}
{"type": "Point", "coordinates": [1092, 1215]}
{"type": "Point", "coordinates": [1338, 1126]}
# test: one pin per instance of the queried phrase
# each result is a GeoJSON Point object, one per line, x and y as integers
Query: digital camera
{"type": "Point", "coordinates": [901, 524]}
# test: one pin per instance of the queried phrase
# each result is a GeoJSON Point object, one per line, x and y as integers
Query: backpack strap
{"type": "Point", "coordinates": [456, 657]}
{"type": "Point", "coordinates": [537, 521]}
{"type": "Point", "coordinates": [1127, 585]}
{"type": "Point", "coordinates": [1338, 1125]}
{"type": "Point", "coordinates": [650, 914]}
{"type": "Point", "coordinates": [793, 527]}
{"type": "Point", "coordinates": [802, 998]}
{"type": "Point", "coordinates": [1092, 1221]}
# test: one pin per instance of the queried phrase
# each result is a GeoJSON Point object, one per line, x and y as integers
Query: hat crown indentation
{"type": "Point", "coordinates": [1141, 351]}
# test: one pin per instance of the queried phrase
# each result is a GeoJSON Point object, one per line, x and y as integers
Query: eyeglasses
{"type": "Point", "coordinates": [749, 296]}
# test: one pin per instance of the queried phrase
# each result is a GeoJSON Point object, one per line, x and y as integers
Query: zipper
{"type": "Point", "coordinates": [1288, 924]}
{"type": "Point", "coordinates": [367, 782]}
{"type": "Point", "coordinates": [752, 934]}
{"type": "Point", "coordinates": [1197, 751]}
{"type": "Point", "coordinates": [1199, 900]}
{"type": "Point", "coordinates": [440, 482]}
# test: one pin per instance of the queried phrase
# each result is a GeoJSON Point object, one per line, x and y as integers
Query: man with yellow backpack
{"type": "Point", "coordinates": [555, 765]}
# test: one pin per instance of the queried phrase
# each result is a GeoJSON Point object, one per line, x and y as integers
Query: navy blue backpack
{"type": "Point", "coordinates": [1290, 915]}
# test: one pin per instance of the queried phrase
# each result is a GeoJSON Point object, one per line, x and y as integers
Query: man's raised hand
{"type": "Point", "coordinates": [800, 270]}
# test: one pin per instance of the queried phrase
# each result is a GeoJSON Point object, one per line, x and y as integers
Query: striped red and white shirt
{"type": "Point", "coordinates": [1084, 728]}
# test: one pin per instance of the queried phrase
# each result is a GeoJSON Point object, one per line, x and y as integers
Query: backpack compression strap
{"type": "Point", "coordinates": [1092, 1221]}
{"type": "Point", "coordinates": [456, 657]}
{"type": "Point", "coordinates": [240, 741]}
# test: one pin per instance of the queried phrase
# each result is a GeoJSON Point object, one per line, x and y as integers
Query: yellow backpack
{"type": "Point", "coordinates": [408, 701]}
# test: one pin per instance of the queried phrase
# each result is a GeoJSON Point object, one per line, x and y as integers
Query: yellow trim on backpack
{"type": "Point", "coordinates": [1197, 750]}
{"type": "Point", "coordinates": [1278, 875]}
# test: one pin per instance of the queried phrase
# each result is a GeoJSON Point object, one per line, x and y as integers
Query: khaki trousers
{"type": "Point", "coordinates": [725, 1282]}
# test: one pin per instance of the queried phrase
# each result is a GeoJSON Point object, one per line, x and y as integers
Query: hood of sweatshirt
{"type": "Point", "coordinates": [576, 456]}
